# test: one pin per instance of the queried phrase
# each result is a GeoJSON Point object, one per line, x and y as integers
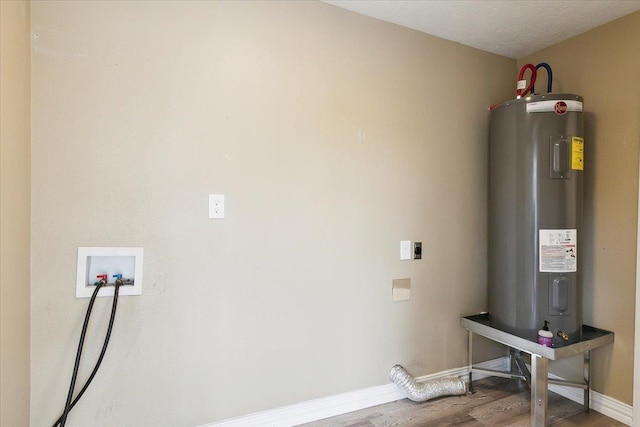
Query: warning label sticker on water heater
{"type": "Point", "coordinates": [577, 153]}
{"type": "Point", "coordinates": [558, 251]}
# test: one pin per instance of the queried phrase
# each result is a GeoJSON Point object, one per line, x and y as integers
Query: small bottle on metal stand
{"type": "Point", "coordinates": [545, 336]}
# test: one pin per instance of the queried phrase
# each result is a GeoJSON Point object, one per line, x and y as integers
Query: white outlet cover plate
{"type": "Point", "coordinates": [405, 249]}
{"type": "Point", "coordinates": [216, 206]}
{"type": "Point", "coordinates": [108, 260]}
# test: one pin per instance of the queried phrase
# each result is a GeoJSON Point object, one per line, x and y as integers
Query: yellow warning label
{"type": "Point", "coordinates": [577, 153]}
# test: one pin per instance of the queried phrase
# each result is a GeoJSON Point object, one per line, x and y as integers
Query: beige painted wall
{"type": "Point", "coordinates": [333, 137]}
{"type": "Point", "coordinates": [15, 194]}
{"type": "Point", "coordinates": [599, 65]}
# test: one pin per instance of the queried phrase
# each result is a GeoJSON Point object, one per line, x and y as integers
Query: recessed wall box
{"type": "Point", "coordinates": [96, 263]}
{"type": "Point", "coordinates": [417, 250]}
{"type": "Point", "coordinates": [401, 289]}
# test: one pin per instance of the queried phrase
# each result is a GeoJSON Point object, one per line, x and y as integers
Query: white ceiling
{"type": "Point", "coordinates": [512, 28]}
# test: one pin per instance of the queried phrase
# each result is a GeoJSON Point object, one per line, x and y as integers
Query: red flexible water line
{"type": "Point", "coordinates": [519, 92]}
{"type": "Point", "coordinates": [531, 67]}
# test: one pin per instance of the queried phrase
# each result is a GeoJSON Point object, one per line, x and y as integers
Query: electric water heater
{"type": "Point", "coordinates": [536, 163]}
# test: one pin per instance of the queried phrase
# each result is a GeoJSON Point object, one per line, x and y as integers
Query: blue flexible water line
{"type": "Point", "coordinates": [549, 76]}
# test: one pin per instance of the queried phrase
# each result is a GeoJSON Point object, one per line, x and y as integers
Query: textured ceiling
{"type": "Point", "coordinates": [512, 28]}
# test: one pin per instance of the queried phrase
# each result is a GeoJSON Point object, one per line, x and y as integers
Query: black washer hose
{"type": "Point", "coordinates": [69, 404]}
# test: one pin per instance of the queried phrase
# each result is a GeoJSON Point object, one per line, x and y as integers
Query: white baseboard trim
{"type": "Point", "coordinates": [331, 406]}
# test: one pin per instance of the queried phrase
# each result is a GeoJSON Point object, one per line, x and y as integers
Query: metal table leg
{"type": "Point", "coordinates": [587, 378]}
{"type": "Point", "coordinates": [470, 362]}
{"type": "Point", "coordinates": [539, 387]}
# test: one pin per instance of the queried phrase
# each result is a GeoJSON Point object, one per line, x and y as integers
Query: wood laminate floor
{"type": "Point", "coordinates": [496, 402]}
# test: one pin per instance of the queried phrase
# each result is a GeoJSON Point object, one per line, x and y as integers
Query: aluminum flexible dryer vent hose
{"type": "Point", "coordinates": [419, 392]}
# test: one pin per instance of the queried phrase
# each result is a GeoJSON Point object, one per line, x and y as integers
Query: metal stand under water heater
{"type": "Point", "coordinates": [536, 162]}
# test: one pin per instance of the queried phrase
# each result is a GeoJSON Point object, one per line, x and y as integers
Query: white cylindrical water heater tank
{"type": "Point", "coordinates": [536, 163]}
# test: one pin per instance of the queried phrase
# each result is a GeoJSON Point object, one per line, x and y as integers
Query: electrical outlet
{"type": "Point", "coordinates": [405, 249]}
{"type": "Point", "coordinates": [216, 206]}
